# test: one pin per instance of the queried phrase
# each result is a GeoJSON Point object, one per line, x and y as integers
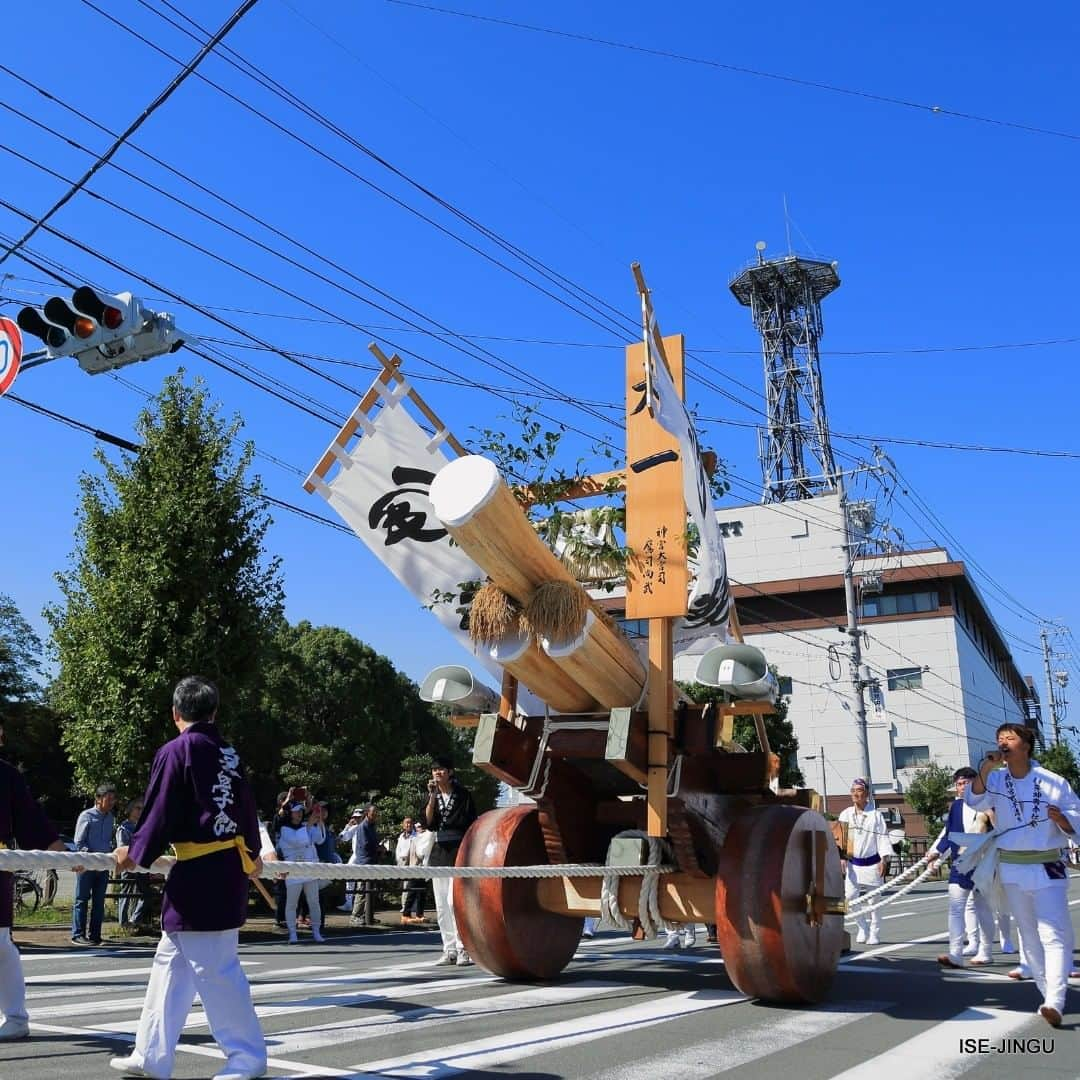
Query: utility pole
{"type": "Point", "coordinates": [1051, 700]}
{"type": "Point", "coordinates": [854, 637]}
{"type": "Point", "coordinates": [824, 780]}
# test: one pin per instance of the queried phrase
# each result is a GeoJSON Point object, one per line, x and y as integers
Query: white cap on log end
{"type": "Point", "coordinates": [463, 487]}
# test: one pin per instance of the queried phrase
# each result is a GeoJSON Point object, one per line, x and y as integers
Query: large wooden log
{"type": "Point", "coordinates": [482, 515]}
{"type": "Point", "coordinates": [547, 680]}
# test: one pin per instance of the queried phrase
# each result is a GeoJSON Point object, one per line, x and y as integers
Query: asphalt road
{"type": "Point", "coordinates": [373, 1004]}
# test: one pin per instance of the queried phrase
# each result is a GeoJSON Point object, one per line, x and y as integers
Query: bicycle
{"type": "Point", "coordinates": [27, 893]}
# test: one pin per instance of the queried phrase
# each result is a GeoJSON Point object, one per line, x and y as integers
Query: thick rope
{"type": "Point", "coordinates": [889, 899]}
{"type": "Point", "coordinates": [648, 899]}
{"type": "Point", "coordinates": [68, 860]}
{"type": "Point", "coordinates": [866, 897]}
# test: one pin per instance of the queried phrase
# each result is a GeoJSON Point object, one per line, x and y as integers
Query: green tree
{"type": "Point", "coordinates": [169, 578]}
{"type": "Point", "coordinates": [344, 717]}
{"type": "Point", "coordinates": [929, 793]}
{"type": "Point", "coordinates": [778, 728]}
{"type": "Point", "coordinates": [1060, 759]}
{"type": "Point", "coordinates": [31, 729]}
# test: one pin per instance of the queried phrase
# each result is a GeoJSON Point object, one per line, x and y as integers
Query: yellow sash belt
{"type": "Point", "coordinates": [193, 849]}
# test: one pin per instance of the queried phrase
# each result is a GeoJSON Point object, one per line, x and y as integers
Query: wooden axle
{"type": "Point", "coordinates": [682, 898]}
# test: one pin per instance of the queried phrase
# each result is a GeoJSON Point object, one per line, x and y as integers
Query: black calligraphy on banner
{"type": "Point", "coordinates": [394, 511]}
{"type": "Point", "coordinates": [711, 608]}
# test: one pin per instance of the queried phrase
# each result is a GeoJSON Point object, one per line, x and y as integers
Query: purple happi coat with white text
{"type": "Point", "coordinates": [22, 822]}
{"type": "Point", "coordinates": [198, 793]}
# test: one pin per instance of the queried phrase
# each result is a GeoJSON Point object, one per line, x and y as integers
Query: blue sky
{"type": "Point", "coordinates": [949, 233]}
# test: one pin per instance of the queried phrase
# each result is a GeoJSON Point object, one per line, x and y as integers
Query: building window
{"type": "Point", "coordinates": [900, 603]}
{"type": "Point", "coordinates": [904, 678]}
{"type": "Point", "coordinates": [911, 757]}
{"type": "Point", "coordinates": [634, 628]}
{"type": "Point", "coordinates": [785, 685]}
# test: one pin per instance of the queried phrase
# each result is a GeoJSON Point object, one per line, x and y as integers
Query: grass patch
{"type": "Point", "coordinates": [56, 914]}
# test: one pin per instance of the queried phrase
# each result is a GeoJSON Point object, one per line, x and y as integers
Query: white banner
{"type": "Point", "coordinates": [710, 597]}
{"type": "Point", "coordinates": [381, 490]}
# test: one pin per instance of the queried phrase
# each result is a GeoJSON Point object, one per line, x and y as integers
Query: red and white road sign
{"type": "Point", "coordinates": [10, 352]}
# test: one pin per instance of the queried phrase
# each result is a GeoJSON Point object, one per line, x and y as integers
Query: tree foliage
{"type": "Point", "coordinates": [929, 793]}
{"type": "Point", "coordinates": [169, 578]}
{"type": "Point", "coordinates": [343, 715]}
{"type": "Point", "coordinates": [1060, 759]}
{"type": "Point", "coordinates": [778, 728]}
{"type": "Point", "coordinates": [31, 729]}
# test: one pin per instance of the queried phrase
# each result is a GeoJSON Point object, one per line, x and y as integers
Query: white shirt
{"type": "Point", "coordinates": [1014, 814]}
{"type": "Point", "coordinates": [868, 835]}
{"type": "Point", "coordinates": [298, 845]}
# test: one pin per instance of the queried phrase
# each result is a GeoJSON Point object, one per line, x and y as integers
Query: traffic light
{"type": "Point", "coordinates": [102, 331]}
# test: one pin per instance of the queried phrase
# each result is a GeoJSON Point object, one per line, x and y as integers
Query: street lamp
{"type": "Point", "coordinates": [824, 786]}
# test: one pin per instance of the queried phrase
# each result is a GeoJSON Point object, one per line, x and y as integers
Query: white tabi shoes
{"type": "Point", "coordinates": [130, 1067]}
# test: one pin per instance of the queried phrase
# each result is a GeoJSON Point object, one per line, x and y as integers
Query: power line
{"type": "Point", "coordinates": [339, 164]}
{"type": "Point", "coordinates": [126, 444]}
{"type": "Point", "coordinates": [134, 126]}
{"type": "Point", "coordinates": [743, 70]}
{"type": "Point", "coordinates": [474, 352]}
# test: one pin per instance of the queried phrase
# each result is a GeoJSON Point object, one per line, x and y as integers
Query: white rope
{"type": "Point", "coordinates": [896, 896]}
{"type": "Point", "coordinates": [68, 860]}
{"type": "Point", "coordinates": [652, 922]}
{"type": "Point", "coordinates": [865, 898]}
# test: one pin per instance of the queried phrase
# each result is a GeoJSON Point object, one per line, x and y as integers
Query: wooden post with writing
{"type": "Point", "coordinates": [657, 577]}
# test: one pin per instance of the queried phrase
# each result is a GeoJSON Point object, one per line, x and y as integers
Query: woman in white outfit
{"type": "Point", "coordinates": [1036, 810]}
{"type": "Point", "coordinates": [297, 842]}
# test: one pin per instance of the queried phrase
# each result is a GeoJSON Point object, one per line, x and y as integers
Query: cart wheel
{"type": "Point", "coordinates": [500, 921]}
{"type": "Point", "coordinates": [765, 870]}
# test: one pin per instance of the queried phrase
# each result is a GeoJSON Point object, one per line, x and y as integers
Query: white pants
{"type": "Point", "coordinates": [203, 961]}
{"type": "Point", "coordinates": [444, 912]}
{"type": "Point", "coordinates": [12, 983]}
{"type": "Point", "coordinates": [292, 897]}
{"type": "Point", "coordinates": [1042, 918]}
{"type": "Point", "coordinates": [852, 889]}
{"type": "Point", "coordinates": [969, 914]}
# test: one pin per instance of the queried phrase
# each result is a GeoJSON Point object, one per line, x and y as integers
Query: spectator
{"type": "Point", "coordinates": [297, 842]}
{"type": "Point", "coordinates": [367, 851]}
{"type": "Point", "coordinates": [449, 812]}
{"type": "Point", "coordinates": [407, 854]}
{"type": "Point", "coordinates": [93, 832]}
{"type": "Point", "coordinates": [135, 894]}
{"type": "Point", "coordinates": [348, 835]}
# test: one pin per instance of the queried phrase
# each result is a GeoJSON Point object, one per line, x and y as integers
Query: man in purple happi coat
{"type": "Point", "coordinates": [22, 822]}
{"type": "Point", "coordinates": [198, 801]}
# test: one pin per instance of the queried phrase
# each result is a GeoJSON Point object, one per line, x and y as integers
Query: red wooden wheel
{"type": "Point", "coordinates": [768, 864]}
{"type": "Point", "coordinates": [500, 922]}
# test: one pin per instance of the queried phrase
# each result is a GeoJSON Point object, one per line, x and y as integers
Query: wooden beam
{"type": "Point", "coordinates": [682, 898]}
{"type": "Point", "coordinates": [388, 374]}
{"type": "Point", "coordinates": [661, 665]}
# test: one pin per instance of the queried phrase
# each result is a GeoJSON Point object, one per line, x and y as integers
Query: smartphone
{"type": "Point", "coordinates": [298, 794]}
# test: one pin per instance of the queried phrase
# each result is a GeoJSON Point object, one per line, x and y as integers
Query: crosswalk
{"type": "Point", "coordinates": [621, 1011]}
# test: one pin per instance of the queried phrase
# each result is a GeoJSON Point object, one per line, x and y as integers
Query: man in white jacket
{"type": "Point", "coordinates": [1036, 811]}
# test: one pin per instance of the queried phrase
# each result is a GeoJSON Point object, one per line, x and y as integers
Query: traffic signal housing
{"type": "Point", "coordinates": [103, 331]}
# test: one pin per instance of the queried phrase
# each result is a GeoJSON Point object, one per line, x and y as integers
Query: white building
{"type": "Point", "coordinates": [946, 677]}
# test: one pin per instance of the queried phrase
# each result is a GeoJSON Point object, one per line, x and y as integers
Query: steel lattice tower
{"type": "Point", "coordinates": [784, 295]}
